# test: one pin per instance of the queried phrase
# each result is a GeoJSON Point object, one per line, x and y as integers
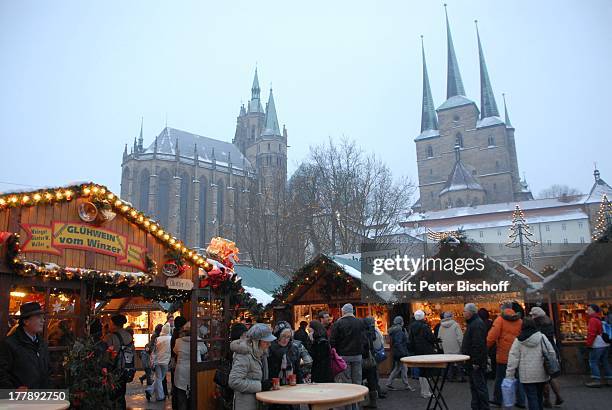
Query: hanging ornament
{"type": "Point", "coordinates": [88, 212]}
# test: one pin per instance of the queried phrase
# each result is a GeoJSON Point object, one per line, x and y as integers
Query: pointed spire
{"type": "Point", "coordinates": [454, 84]}
{"type": "Point", "coordinates": [271, 128]}
{"type": "Point", "coordinates": [429, 120]}
{"type": "Point", "coordinates": [140, 138]}
{"type": "Point", "coordinates": [255, 88]}
{"type": "Point", "coordinates": [135, 148]}
{"type": "Point", "coordinates": [488, 106]}
{"type": "Point", "coordinates": [507, 117]}
{"type": "Point", "coordinates": [125, 152]}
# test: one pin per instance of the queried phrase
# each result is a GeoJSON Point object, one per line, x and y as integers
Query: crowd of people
{"type": "Point", "coordinates": [514, 350]}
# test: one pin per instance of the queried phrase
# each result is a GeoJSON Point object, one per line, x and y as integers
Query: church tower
{"type": "Point", "coordinates": [457, 139]}
{"type": "Point", "coordinates": [260, 139]}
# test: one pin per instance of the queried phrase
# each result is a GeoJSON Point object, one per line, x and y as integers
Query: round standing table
{"type": "Point", "coordinates": [436, 361]}
{"type": "Point", "coordinates": [30, 405]}
{"type": "Point", "coordinates": [319, 396]}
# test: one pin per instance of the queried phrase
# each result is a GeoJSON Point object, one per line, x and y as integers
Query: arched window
{"type": "Point", "coordinates": [202, 212]}
{"type": "Point", "coordinates": [183, 206]}
{"type": "Point", "coordinates": [459, 202]}
{"type": "Point", "coordinates": [163, 197]}
{"type": "Point", "coordinates": [220, 207]}
{"type": "Point", "coordinates": [459, 140]}
{"type": "Point", "coordinates": [491, 141]}
{"type": "Point", "coordinates": [429, 151]}
{"type": "Point", "coordinates": [252, 132]}
{"type": "Point", "coordinates": [143, 185]}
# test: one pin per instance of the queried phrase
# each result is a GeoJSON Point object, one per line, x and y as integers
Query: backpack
{"type": "Point", "coordinates": [606, 333]}
{"type": "Point", "coordinates": [125, 360]}
{"type": "Point", "coordinates": [379, 348]}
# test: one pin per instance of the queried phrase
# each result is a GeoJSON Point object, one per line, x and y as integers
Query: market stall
{"type": "Point", "coordinates": [490, 279]}
{"type": "Point", "coordinates": [326, 284]}
{"type": "Point", "coordinates": [80, 249]}
{"type": "Point", "coordinates": [586, 278]}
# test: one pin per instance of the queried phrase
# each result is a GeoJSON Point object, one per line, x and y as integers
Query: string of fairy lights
{"type": "Point", "coordinates": [604, 218]}
{"type": "Point", "coordinates": [96, 192]}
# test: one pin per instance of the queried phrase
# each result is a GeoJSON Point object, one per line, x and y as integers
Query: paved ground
{"type": "Point", "coordinates": [457, 395]}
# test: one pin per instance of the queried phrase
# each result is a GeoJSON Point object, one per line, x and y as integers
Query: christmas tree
{"type": "Point", "coordinates": [521, 236]}
{"type": "Point", "coordinates": [604, 219]}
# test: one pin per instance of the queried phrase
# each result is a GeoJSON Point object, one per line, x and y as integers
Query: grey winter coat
{"type": "Point", "coordinates": [451, 335]}
{"type": "Point", "coordinates": [527, 356]}
{"type": "Point", "coordinates": [248, 371]}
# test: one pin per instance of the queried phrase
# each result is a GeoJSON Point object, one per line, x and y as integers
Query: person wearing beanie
{"type": "Point", "coordinates": [598, 352]}
{"type": "Point", "coordinates": [249, 374]}
{"type": "Point", "coordinates": [118, 338]}
{"type": "Point", "coordinates": [284, 355]}
{"type": "Point", "coordinates": [545, 326]}
{"type": "Point", "coordinates": [451, 336]}
{"type": "Point", "coordinates": [421, 341]}
{"type": "Point", "coordinates": [347, 337]}
{"type": "Point", "coordinates": [474, 344]}
{"type": "Point", "coordinates": [505, 329]}
{"type": "Point", "coordinates": [399, 348]}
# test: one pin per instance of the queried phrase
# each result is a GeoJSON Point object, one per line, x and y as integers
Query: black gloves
{"type": "Point", "coordinates": [266, 385]}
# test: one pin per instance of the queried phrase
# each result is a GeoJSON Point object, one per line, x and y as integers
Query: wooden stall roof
{"type": "Point", "coordinates": [589, 268]}
{"type": "Point", "coordinates": [324, 279]}
{"type": "Point", "coordinates": [125, 244]}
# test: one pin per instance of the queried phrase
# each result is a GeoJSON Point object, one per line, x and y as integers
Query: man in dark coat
{"type": "Point", "coordinates": [24, 357]}
{"type": "Point", "coordinates": [475, 345]}
{"type": "Point", "coordinates": [421, 340]}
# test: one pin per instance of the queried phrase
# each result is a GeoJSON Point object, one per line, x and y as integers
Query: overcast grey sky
{"type": "Point", "coordinates": [75, 78]}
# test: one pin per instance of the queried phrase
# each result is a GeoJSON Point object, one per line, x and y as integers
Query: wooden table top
{"type": "Point", "coordinates": [434, 360]}
{"type": "Point", "coordinates": [41, 405]}
{"type": "Point", "coordinates": [314, 393]}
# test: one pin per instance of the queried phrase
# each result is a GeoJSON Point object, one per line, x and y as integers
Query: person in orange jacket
{"type": "Point", "coordinates": [505, 329]}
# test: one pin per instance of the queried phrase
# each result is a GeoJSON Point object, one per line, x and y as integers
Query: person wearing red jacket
{"type": "Point", "coordinates": [598, 349]}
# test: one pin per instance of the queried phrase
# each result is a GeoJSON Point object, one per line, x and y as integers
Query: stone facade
{"type": "Point", "coordinates": [198, 187]}
{"type": "Point", "coordinates": [488, 152]}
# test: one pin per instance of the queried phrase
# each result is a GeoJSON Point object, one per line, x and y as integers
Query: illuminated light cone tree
{"type": "Point", "coordinates": [521, 236]}
{"type": "Point", "coordinates": [604, 218]}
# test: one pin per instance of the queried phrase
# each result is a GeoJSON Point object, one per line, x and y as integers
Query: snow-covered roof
{"type": "Point", "coordinates": [500, 221]}
{"type": "Point", "coordinates": [489, 122]}
{"type": "Point", "coordinates": [223, 151]}
{"type": "Point", "coordinates": [598, 190]}
{"type": "Point", "coordinates": [259, 295]}
{"type": "Point", "coordinates": [460, 179]}
{"type": "Point", "coordinates": [501, 207]}
{"type": "Point", "coordinates": [455, 101]}
{"type": "Point", "coordinates": [427, 134]}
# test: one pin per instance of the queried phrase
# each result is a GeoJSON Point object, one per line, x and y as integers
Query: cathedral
{"type": "Point", "coordinates": [466, 156]}
{"type": "Point", "coordinates": [199, 187]}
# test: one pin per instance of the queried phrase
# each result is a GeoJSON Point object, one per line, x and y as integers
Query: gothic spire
{"type": "Point", "coordinates": [454, 84]}
{"type": "Point", "coordinates": [488, 106]}
{"type": "Point", "coordinates": [271, 128]}
{"type": "Point", "coordinates": [255, 88]}
{"type": "Point", "coordinates": [507, 117]}
{"type": "Point", "coordinates": [140, 138]}
{"type": "Point", "coordinates": [429, 120]}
